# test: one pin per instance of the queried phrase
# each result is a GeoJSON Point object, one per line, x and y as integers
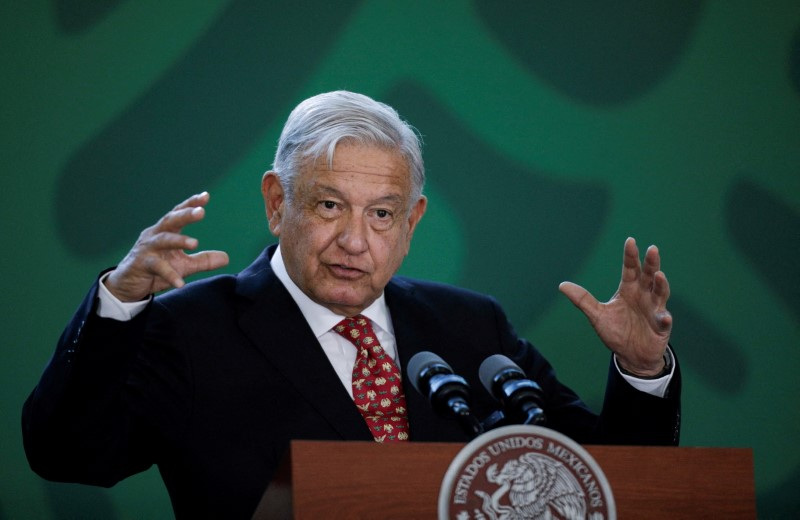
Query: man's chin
{"type": "Point", "coordinates": [345, 304]}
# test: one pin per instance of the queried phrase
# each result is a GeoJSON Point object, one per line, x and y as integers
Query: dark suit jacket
{"type": "Point", "coordinates": [212, 381]}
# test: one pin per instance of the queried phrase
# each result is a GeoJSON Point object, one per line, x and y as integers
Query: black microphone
{"type": "Point", "coordinates": [447, 392]}
{"type": "Point", "coordinates": [521, 398]}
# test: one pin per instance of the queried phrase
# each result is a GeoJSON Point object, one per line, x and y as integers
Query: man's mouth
{"type": "Point", "coordinates": [343, 271]}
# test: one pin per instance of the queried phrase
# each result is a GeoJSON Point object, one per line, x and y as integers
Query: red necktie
{"type": "Point", "coordinates": [377, 386]}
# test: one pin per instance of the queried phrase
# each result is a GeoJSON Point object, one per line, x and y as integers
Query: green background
{"type": "Point", "coordinates": [552, 130]}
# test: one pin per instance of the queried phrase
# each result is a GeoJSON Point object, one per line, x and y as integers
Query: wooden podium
{"type": "Point", "coordinates": [336, 480]}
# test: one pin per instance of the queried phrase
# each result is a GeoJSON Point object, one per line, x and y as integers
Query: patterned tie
{"type": "Point", "coordinates": [377, 387]}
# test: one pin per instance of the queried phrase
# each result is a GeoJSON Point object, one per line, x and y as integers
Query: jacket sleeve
{"type": "Point", "coordinates": [628, 416]}
{"type": "Point", "coordinates": [78, 424]}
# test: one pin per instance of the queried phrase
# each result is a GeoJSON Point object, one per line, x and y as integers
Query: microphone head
{"type": "Point", "coordinates": [505, 381]}
{"type": "Point", "coordinates": [495, 365]}
{"type": "Point", "coordinates": [419, 369]}
{"type": "Point", "coordinates": [447, 392]}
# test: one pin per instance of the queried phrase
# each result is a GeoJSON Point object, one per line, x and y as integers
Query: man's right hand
{"type": "Point", "coordinates": [158, 261]}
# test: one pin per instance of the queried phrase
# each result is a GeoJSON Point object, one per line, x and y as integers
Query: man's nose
{"type": "Point", "coordinates": [353, 234]}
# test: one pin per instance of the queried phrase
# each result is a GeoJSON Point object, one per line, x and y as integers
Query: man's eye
{"type": "Point", "coordinates": [382, 213]}
{"type": "Point", "coordinates": [328, 204]}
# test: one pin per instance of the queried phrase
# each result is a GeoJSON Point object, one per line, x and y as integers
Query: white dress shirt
{"type": "Point", "coordinates": [340, 351]}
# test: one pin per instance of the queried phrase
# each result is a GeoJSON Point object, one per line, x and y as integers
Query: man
{"type": "Point", "coordinates": [210, 381]}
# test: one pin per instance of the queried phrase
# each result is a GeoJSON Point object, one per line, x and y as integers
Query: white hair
{"type": "Point", "coordinates": [319, 123]}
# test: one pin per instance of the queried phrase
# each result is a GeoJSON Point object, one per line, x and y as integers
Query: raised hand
{"type": "Point", "coordinates": [635, 323]}
{"type": "Point", "coordinates": [158, 261]}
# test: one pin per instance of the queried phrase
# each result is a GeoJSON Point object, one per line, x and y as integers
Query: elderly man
{"type": "Point", "coordinates": [211, 380]}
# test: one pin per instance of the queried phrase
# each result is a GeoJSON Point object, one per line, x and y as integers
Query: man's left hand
{"type": "Point", "coordinates": [635, 323]}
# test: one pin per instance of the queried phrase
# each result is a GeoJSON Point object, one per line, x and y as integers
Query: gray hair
{"type": "Point", "coordinates": [319, 123]}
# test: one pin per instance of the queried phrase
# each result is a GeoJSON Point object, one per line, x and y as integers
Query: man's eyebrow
{"type": "Point", "coordinates": [392, 199]}
{"type": "Point", "coordinates": [327, 190]}
{"type": "Point", "coordinates": [323, 189]}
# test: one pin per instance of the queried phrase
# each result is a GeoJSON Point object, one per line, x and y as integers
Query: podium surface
{"type": "Point", "coordinates": [328, 479]}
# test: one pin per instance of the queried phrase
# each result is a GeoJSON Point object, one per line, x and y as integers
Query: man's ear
{"type": "Point", "coordinates": [414, 216]}
{"type": "Point", "coordinates": [272, 191]}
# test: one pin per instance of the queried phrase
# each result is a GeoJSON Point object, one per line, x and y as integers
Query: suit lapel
{"type": "Point", "coordinates": [274, 323]}
{"type": "Point", "coordinates": [415, 324]}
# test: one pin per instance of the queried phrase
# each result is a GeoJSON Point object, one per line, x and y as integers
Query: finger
{"type": "Point", "coordinates": [206, 261]}
{"type": "Point", "coordinates": [661, 290]}
{"type": "Point", "coordinates": [162, 269]}
{"type": "Point", "coordinates": [580, 298]}
{"type": "Point", "coordinates": [652, 263]}
{"type": "Point", "coordinates": [178, 219]}
{"type": "Point", "coordinates": [166, 241]}
{"type": "Point", "coordinates": [631, 266]}
{"type": "Point", "coordinates": [198, 262]}
{"type": "Point", "coordinates": [652, 259]}
{"type": "Point", "coordinates": [189, 211]}
{"type": "Point", "coordinates": [196, 200]}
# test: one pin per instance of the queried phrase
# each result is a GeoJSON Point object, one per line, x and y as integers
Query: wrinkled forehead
{"type": "Point", "coordinates": [360, 163]}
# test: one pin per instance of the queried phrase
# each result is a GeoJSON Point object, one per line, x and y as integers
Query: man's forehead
{"type": "Point", "coordinates": [362, 159]}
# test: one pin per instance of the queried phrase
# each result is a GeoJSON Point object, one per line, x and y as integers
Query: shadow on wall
{"type": "Point", "coordinates": [194, 122]}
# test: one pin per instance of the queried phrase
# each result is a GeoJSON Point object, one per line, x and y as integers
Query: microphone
{"type": "Point", "coordinates": [447, 392]}
{"type": "Point", "coordinates": [505, 381]}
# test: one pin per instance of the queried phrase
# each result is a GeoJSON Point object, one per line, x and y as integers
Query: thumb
{"type": "Point", "coordinates": [580, 298]}
{"type": "Point", "coordinates": [664, 322]}
{"type": "Point", "coordinates": [206, 261]}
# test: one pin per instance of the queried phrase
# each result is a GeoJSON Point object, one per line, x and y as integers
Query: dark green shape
{"type": "Point", "coordinates": [194, 122]}
{"type": "Point", "coordinates": [767, 231]}
{"type": "Point", "coordinates": [783, 501]}
{"type": "Point", "coordinates": [76, 16]}
{"type": "Point", "coordinates": [794, 61]}
{"type": "Point", "coordinates": [71, 501]}
{"type": "Point", "coordinates": [525, 232]}
{"type": "Point", "coordinates": [714, 359]}
{"type": "Point", "coordinates": [601, 53]}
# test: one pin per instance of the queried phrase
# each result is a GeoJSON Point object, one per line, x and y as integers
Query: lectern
{"type": "Point", "coordinates": [327, 479]}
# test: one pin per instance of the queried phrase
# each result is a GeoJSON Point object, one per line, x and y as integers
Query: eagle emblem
{"type": "Point", "coordinates": [533, 486]}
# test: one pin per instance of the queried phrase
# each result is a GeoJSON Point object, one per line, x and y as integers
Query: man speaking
{"type": "Point", "coordinates": [211, 380]}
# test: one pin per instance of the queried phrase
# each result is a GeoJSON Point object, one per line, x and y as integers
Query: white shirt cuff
{"type": "Point", "coordinates": [656, 387]}
{"type": "Point", "coordinates": [109, 306]}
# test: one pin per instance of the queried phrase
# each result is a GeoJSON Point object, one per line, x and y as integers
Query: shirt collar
{"type": "Point", "coordinates": [322, 319]}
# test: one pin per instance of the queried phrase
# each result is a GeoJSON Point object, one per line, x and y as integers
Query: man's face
{"type": "Point", "coordinates": [348, 229]}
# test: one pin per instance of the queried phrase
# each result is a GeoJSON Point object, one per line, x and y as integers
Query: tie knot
{"type": "Point", "coordinates": [357, 330]}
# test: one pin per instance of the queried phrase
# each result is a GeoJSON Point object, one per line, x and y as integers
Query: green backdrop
{"type": "Point", "coordinates": [552, 131]}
